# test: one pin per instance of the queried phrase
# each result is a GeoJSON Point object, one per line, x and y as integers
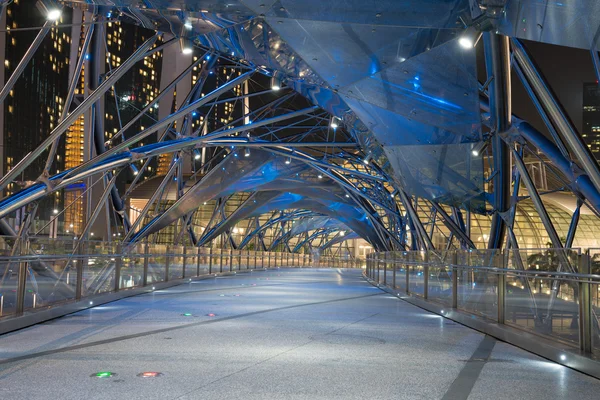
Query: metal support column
{"type": "Point", "coordinates": [497, 61]}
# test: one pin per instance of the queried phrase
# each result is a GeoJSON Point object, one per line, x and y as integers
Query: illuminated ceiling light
{"type": "Point", "coordinates": [342, 233]}
{"type": "Point", "coordinates": [288, 161]}
{"type": "Point", "coordinates": [469, 38]}
{"type": "Point", "coordinates": [186, 46]}
{"type": "Point", "coordinates": [367, 159]}
{"type": "Point", "coordinates": [320, 176]}
{"type": "Point", "coordinates": [55, 211]}
{"type": "Point", "coordinates": [334, 122]}
{"type": "Point", "coordinates": [71, 225]}
{"type": "Point", "coordinates": [197, 155]}
{"type": "Point", "coordinates": [188, 25]}
{"type": "Point", "coordinates": [50, 8]}
{"type": "Point", "coordinates": [478, 148]}
{"type": "Point", "coordinates": [247, 152]}
{"type": "Point", "coordinates": [276, 81]}
{"type": "Point", "coordinates": [92, 233]}
{"type": "Point", "coordinates": [53, 14]}
{"type": "Point", "coordinates": [134, 169]}
{"type": "Point", "coordinates": [563, 357]}
{"type": "Point", "coordinates": [347, 195]}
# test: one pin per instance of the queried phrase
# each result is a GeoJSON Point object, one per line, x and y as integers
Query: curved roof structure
{"type": "Point", "coordinates": [383, 117]}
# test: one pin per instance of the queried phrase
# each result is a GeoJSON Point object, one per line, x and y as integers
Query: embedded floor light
{"type": "Point", "coordinates": [103, 374]}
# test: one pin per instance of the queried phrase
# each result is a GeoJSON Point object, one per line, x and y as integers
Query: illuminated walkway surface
{"type": "Point", "coordinates": [281, 334]}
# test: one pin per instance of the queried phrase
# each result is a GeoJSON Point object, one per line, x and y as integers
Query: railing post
{"type": "Point", "coordinates": [407, 271]}
{"type": "Point", "coordinates": [426, 275]}
{"type": "Point", "coordinates": [585, 307]}
{"type": "Point", "coordinates": [79, 281]}
{"type": "Point", "coordinates": [118, 265]}
{"type": "Point", "coordinates": [167, 262]}
{"type": "Point", "coordinates": [198, 255]}
{"type": "Point", "coordinates": [145, 275]}
{"type": "Point", "coordinates": [210, 260]}
{"type": "Point", "coordinates": [20, 306]}
{"type": "Point", "coordinates": [385, 269]}
{"type": "Point", "coordinates": [230, 260]}
{"type": "Point", "coordinates": [221, 261]}
{"type": "Point", "coordinates": [183, 262]}
{"type": "Point", "coordinates": [393, 271]}
{"type": "Point", "coordinates": [269, 259]}
{"type": "Point", "coordinates": [454, 280]}
{"type": "Point", "coordinates": [501, 288]}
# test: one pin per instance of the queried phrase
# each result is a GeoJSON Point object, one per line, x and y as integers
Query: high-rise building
{"type": "Point", "coordinates": [32, 109]}
{"type": "Point", "coordinates": [591, 117]}
{"type": "Point", "coordinates": [138, 87]}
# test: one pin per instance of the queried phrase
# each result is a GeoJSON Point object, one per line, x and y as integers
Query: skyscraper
{"type": "Point", "coordinates": [591, 117]}
{"type": "Point", "coordinates": [34, 105]}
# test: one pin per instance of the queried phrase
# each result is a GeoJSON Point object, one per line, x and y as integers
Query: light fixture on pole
{"type": "Point", "coordinates": [197, 155]}
{"type": "Point", "coordinates": [247, 152]}
{"type": "Point", "coordinates": [276, 81]}
{"type": "Point", "coordinates": [50, 8]}
{"type": "Point", "coordinates": [478, 148]}
{"type": "Point", "coordinates": [288, 160]}
{"type": "Point", "coordinates": [469, 38]}
{"type": "Point", "coordinates": [134, 169]}
{"type": "Point", "coordinates": [335, 122]}
{"type": "Point", "coordinates": [367, 159]}
{"type": "Point", "coordinates": [186, 46]}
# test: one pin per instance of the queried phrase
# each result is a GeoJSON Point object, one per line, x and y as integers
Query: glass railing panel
{"type": "Point", "coordinates": [542, 305]}
{"type": "Point", "coordinates": [157, 262]}
{"type": "Point", "coordinates": [175, 262]}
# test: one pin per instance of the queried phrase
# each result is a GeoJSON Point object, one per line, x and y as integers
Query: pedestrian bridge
{"type": "Point", "coordinates": [293, 333]}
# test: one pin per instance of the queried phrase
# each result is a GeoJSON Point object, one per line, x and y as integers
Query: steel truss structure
{"type": "Point", "coordinates": [352, 123]}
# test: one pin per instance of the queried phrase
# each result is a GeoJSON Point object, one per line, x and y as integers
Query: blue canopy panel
{"type": "Point", "coordinates": [573, 23]}
{"type": "Point", "coordinates": [392, 69]}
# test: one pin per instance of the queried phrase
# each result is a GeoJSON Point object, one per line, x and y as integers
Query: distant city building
{"type": "Point", "coordinates": [591, 117]}
{"type": "Point", "coordinates": [34, 105]}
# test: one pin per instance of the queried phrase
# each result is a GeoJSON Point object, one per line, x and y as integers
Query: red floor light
{"type": "Point", "coordinates": [211, 315]}
{"type": "Point", "coordinates": [149, 374]}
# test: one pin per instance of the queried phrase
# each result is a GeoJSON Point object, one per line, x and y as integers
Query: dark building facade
{"type": "Point", "coordinates": [34, 105]}
{"type": "Point", "coordinates": [591, 117]}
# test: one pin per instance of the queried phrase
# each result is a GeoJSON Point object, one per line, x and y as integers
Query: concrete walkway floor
{"type": "Point", "coordinates": [279, 334]}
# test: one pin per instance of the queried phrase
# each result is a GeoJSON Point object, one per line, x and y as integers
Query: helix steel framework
{"type": "Point", "coordinates": [371, 123]}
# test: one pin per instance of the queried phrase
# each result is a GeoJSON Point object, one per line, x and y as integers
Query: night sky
{"type": "Point", "coordinates": [566, 69]}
